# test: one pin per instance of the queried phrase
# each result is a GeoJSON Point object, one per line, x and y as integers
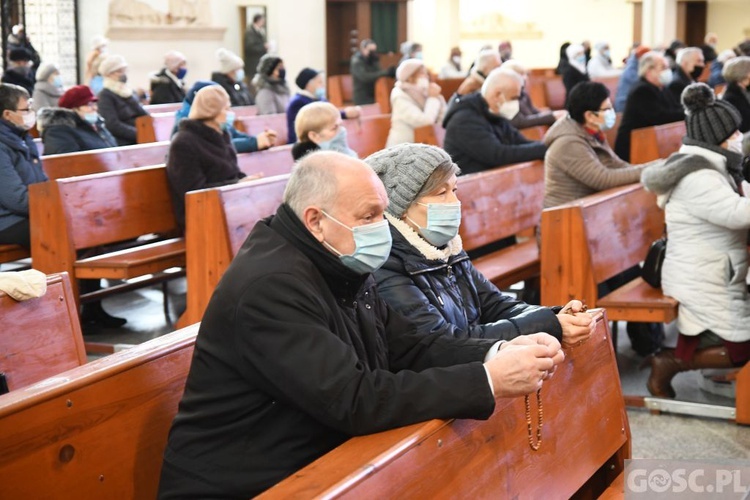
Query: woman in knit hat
{"type": "Point", "coordinates": [707, 217]}
{"type": "Point", "coordinates": [118, 104]}
{"type": "Point", "coordinates": [243, 143]}
{"type": "Point", "coordinates": [75, 125]}
{"type": "Point", "coordinates": [429, 277]}
{"type": "Point", "coordinates": [737, 75]}
{"type": "Point", "coordinates": [201, 154]}
{"type": "Point", "coordinates": [415, 102]}
{"type": "Point", "coordinates": [271, 90]}
{"type": "Point", "coordinates": [168, 84]}
{"type": "Point", "coordinates": [48, 87]}
{"type": "Point", "coordinates": [231, 76]}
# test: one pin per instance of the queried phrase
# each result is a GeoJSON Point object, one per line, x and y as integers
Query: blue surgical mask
{"type": "Point", "coordinates": [581, 59]}
{"type": "Point", "coordinates": [610, 117]}
{"type": "Point", "coordinates": [239, 75]}
{"type": "Point", "coordinates": [320, 93]}
{"type": "Point", "coordinates": [443, 221]}
{"type": "Point", "coordinates": [181, 73]}
{"type": "Point", "coordinates": [418, 55]}
{"type": "Point", "coordinates": [338, 143]}
{"type": "Point", "coordinates": [372, 246]}
{"type": "Point", "coordinates": [229, 121]}
{"type": "Point", "coordinates": [91, 118]}
{"type": "Point", "coordinates": [57, 81]}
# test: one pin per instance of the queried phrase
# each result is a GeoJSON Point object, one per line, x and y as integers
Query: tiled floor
{"type": "Point", "coordinates": [654, 436]}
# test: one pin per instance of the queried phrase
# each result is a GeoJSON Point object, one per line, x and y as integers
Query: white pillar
{"type": "Point", "coordinates": [659, 22]}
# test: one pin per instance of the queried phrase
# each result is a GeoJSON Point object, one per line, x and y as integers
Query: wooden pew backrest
{"type": "Point", "coordinates": [430, 134]}
{"type": "Point", "coordinates": [651, 143]}
{"type": "Point", "coordinates": [40, 337]}
{"type": "Point", "coordinates": [368, 134]}
{"type": "Point", "coordinates": [383, 87]}
{"type": "Point", "coordinates": [340, 90]}
{"type": "Point", "coordinates": [277, 160]}
{"type": "Point", "coordinates": [99, 430]}
{"type": "Point", "coordinates": [593, 239]}
{"type": "Point", "coordinates": [217, 223]}
{"type": "Point", "coordinates": [449, 86]}
{"type": "Point", "coordinates": [534, 133]}
{"type": "Point", "coordinates": [554, 92]}
{"type": "Point", "coordinates": [105, 160]}
{"type": "Point", "coordinates": [584, 421]}
{"type": "Point", "coordinates": [162, 108]}
{"type": "Point", "coordinates": [500, 202]}
{"type": "Point", "coordinates": [254, 125]}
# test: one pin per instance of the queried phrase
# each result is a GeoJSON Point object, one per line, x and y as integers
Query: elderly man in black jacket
{"type": "Point", "coordinates": [297, 353]}
{"type": "Point", "coordinates": [690, 65]}
{"type": "Point", "coordinates": [478, 132]}
{"type": "Point", "coordinates": [648, 103]}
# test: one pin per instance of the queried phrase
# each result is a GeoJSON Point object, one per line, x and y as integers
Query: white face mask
{"type": "Point", "coordinates": [423, 83]}
{"type": "Point", "coordinates": [456, 60]}
{"type": "Point", "coordinates": [734, 144]}
{"type": "Point", "coordinates": [509, 109]}
{"type": "Point", "coordinates": [665, 77]}
{"type": "Point", "coordinates": [29, 119]}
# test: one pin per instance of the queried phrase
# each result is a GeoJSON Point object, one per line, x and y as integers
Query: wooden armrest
{"type": "Point", "coordinates": [639, 301]}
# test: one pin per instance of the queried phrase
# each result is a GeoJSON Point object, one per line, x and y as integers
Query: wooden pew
{"type": "Point", "coordinates": [554, 93]}
{"type": "Point", "coordinates": [104, 160]}
{"type": "Point", "coordinates": [11, 253]}
{"type": "Point", "coordinates": [534, 133]}
{"type": "Point", "coordinates": [430, 134]}
{"type": "Point", "coordinates": [499, 203]}
{"type": "Point", "coordinates": [162, 108]}
{"type": "Point", "coordinates": [277, 160]}
{"type": "Point", "coordinates": [449, 86]}
{"type": "Point", "coordinates": [383, 87]}
{"type": "Point", "coordinates": [158, 126]}
{"type": "Point", "coordinates": [340, 90]}
{"type": "Point", "coordinates": [588, 241]}
{"type": "Point", "coordinates": [369, 134]}
{"type": "Point", "coordinates": [217, 223]}
{"type": "Point", "coordinates": [611, 83]}
{"type": "Point", "coordinates": [585, 440]}
{"type": "Point", "coordinates": [40, 337]}
{"type": "Point", "coordinates": [254, 125]}
{"type": "Point", "coordinates": [96, 431]}
{"type": "Point", "coordinates": [535, 88]}
{"type": "Point", "coordinates": [370, 110]}
{"type": "Point", "coordinates": [651, 143]}
{"type": "Point", "coordinates": [95, 210]}
{"type": "Point", "coordinates": [611, 134]}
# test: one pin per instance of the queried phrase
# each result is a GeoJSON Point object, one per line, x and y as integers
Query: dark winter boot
{"type": "Point", "coordinates": [664, 366]}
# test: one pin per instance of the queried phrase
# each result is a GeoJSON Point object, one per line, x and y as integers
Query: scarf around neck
{"type": "Point", "coordinates": [118, 87]}
{"type": "Point", "coordinates": [417, 94]}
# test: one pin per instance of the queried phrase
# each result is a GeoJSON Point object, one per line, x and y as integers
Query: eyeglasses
{"type": "Point", "coordinates": [24, 110]}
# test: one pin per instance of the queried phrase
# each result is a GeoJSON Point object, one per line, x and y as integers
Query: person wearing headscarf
{"type": "Point", "coordinates": [271, 89]}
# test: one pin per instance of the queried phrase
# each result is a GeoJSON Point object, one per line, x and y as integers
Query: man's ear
{"type": "Point", "coordinates": [312, 218]}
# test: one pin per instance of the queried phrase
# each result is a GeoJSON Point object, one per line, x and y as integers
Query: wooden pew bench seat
{"type": "Point", "coordinates": [132, 262]}
{"type": "Point", "coordinates": [510, 265]}
{"type": "Point", "coordinates": [639, 301]}
{"type": "Point", "coordinates": [9, 253]}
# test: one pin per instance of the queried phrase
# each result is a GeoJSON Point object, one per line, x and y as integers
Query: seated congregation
{"type": "Point", "coordinates": [348, 266]}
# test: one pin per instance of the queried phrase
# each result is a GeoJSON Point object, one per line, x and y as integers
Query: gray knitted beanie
{"type": "Point", "coordinates": [404, 169]}
{"type": "Point", "coordinates": [708, 119]}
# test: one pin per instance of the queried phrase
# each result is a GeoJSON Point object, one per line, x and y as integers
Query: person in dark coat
{"type": "Point", "coordinates": [168, 85]}
{"type": "Point", "coordinates": [20, 70]}
{"type": "Point", "coordinates": [563, 62]}
{"type": "Point", "coordinates": [230, 76]}
{"type": "Point", "coordinates": [429, 278]}
{"type": "Point", "coordinates": [689, 67]}
{"type": "Point", "coordinates": [575, 71]}
{"type": "Point", "coordinates": [528, 114]}
{"type": "Point", "coordinates": [201, 154]}
{"type": "Point", "coordinates": [18, 39]}
{"type": "Point", "coordinates": [19, 165]}
{"type": "Point", "coordinates": [478, 133]}
{"type": "Point", "coordinates": [312, 88]}
{"type": "Point", "coordinates": [118, 104]}
{"type": "Point", "coordinates": [365, 69]}
{"type": "Point", "coordinates": [75, 125]}
{"type": "Point", "coordinates": [243, 143]}
{"type": "Point", "coordinates": [647, 104]}
{"type": "Point", "coordinates": [255, 43]}
{"type": "Point", "coordinates": [297, 352]}
{"type": "Point", "coordinates": [709, 47]}
{"type": "Point", "coordinates": [737, 74]}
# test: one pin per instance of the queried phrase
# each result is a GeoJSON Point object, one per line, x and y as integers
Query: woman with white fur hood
{"type": "Point", "coordinates": [706, 264]}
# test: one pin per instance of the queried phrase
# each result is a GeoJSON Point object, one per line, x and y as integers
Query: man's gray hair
{"type": "Point", "coordinates": [649, 60]}
{"type": "Point", "coordinates": [737, 69]}
{"type": "Point", "coordinates": [683, 54]}
{"type": "Point", "coordinates": [486, 57]}
{"type": "Point", "coordinates": [313, 182]}
{"type": "Point", "coordinates": [496, 77]}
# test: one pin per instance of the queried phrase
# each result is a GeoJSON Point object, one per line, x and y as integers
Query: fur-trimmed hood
{"type": "Point", "coordinates": [56, 116]}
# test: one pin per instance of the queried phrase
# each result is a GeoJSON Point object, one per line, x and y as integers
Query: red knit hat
{"type": "Point", "coordinates": [80, 95]}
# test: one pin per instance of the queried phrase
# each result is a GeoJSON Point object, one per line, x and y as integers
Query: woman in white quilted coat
{"type": "Point", "coordinates": [415, 102]}
{"type": "Point", "coordinates": [706, 265]}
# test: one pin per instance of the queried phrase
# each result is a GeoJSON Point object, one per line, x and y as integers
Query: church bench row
{"type": "Point", "coordinates": [99, 431]}
{"type": "Point", "coordinates": [651, 143]}
{"type": "Point", "coordinates": [341, 90]}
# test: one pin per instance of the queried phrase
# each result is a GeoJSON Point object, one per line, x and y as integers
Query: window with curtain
{"type": "Point", "coordinates": [385, 26]}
